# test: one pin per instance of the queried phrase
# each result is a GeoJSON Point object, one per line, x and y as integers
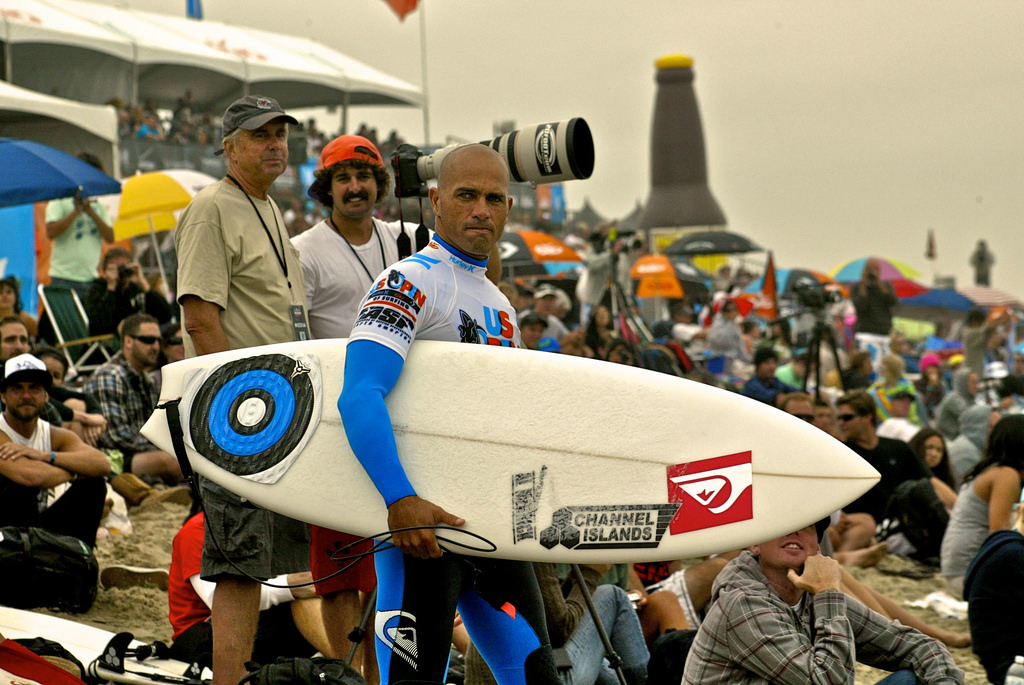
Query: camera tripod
{"type": "Point", "coordinates": [619, 302]}
{"type": "Point", "coordinates": [821, 332]}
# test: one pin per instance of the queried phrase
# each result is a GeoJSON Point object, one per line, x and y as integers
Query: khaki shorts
{"type": "Point", "coordinates": [247, 540]}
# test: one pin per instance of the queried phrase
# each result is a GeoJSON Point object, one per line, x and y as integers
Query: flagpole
{"type": "Point", "coordinates": [423, 66]}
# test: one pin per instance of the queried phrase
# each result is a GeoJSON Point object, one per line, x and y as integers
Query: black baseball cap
{"type": "Point", "coordinates": [251, 112]}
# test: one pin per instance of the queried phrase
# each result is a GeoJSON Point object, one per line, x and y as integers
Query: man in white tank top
{"type": "Point", "coordinates": [49, 478]}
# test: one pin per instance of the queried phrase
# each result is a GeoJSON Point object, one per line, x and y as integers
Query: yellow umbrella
{"type": "Point", "coordinates": [149, 203]}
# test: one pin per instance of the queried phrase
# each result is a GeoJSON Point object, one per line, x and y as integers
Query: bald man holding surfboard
{"type": "Point", "coordinates": [440, 293]}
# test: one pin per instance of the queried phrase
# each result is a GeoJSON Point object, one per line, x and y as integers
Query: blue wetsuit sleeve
{"type": "Point", "coordinates": [371, 371]}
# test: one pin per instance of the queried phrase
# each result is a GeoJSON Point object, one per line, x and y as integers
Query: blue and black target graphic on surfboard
{"type": "Point", "coordinates": [251, 414]}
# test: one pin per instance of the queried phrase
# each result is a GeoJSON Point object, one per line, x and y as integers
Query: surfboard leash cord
{"type": "Point", "coordinates": [381, 539]}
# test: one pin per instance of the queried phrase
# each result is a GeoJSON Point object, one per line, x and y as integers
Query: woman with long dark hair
{"type": "Point", "coordinates": [986, 499]}
{"type": "Point", "coordinates": [600, 331]}
{"type": "Point", "coordinates": [10, 305]}
{"type": "Point", "coordinates": [929, 445]}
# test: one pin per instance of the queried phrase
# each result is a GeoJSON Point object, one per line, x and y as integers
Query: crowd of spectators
{"type": "Point", "coordinates": [925, 399]}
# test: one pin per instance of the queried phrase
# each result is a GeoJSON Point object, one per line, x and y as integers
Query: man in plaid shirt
{"type": "Point", "coordinates": [127, 396]}
{"type": "Point", "coordinates": [778, 616]}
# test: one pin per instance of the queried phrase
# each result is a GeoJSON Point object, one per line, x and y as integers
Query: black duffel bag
{"type": "Point", "coordinates": [301, 671]}
{"type": "Point", "coordinates": [44, 569]}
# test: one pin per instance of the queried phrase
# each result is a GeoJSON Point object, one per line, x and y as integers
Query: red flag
{"type": "Point", "coordinates": [767, 307]}
{"type": "Point", "coordinates": [929, 250]}
{"type": "Point", "coordinates": [402, 7]}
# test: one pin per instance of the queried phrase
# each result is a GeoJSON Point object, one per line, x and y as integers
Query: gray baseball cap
{"type": "Point", "coordinates": [251, 112]}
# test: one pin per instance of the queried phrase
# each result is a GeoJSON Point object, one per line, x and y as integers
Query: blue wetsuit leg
{"type": "Point", "coordinates": [504, 615]}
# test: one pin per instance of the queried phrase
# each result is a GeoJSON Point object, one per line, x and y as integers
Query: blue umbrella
{"type": "Point", "coordinates": [33, 172]}
{"type": "Point", "coordinates": [938, 297]}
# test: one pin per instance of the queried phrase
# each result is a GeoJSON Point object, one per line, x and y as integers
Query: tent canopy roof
{"type": "Point", "coordinates": [218, 62]}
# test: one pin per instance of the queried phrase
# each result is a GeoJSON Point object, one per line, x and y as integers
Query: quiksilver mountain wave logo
{"type": "Point", "coordinates": [712, 492]}
{"type": "Point", "coordinates": [394, 630]}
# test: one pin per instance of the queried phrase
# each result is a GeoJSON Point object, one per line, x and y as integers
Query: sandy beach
{"type": "Point", "coordinates": [143, 611]}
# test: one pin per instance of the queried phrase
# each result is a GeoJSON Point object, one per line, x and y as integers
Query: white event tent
{"type": "Point", "coordinates": [91, 53]}
{"type": "Point", "coordinates": [69, 126]}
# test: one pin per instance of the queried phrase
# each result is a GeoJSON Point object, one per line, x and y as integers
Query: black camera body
{"type": "Point", "coordinates": [124, 272]}
{"type": "Point", "coordinates": [541, 153]}
{"type": "Point", "coordinates": [815, 296]}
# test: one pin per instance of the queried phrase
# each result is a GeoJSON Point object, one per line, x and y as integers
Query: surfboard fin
{"type": "Point", "coordinates": [116, 652]}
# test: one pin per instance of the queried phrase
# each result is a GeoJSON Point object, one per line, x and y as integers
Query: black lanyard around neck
{"type": "Point", "coordinates": [280, 255]}
{"type": "Point", "coordinates": [380, 245]}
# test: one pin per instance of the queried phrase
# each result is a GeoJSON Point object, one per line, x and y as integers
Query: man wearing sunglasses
{"type": "Point", "coordinates": [128, 395]}
{"type": "Point", "coordinates": [893, 459]}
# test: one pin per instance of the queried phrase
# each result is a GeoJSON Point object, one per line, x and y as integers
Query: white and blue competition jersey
{"type": "Point", "coordinates": [439, 293]}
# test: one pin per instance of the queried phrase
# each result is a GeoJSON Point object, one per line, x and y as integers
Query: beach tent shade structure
{"type": "Point", "coordinates": [362, 84]}
{"type": "Point", "coordinates": [69, 126]}
{"type": "Point", "coordinates": [166, 61]}
{"type": "Point", "coordinates": [711, 242]}
{"type": "Point", "coordinates": [91, 53]}
{"type": "Point", "coordinates": [33, 172]}
{"type": "Point", "coordinates": [50, 51]}
{"type": "Point", "coordinates": [295, 80]}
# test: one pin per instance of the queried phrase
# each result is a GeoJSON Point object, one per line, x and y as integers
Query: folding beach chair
{"type": "Point", "coordinates": [71, 326]}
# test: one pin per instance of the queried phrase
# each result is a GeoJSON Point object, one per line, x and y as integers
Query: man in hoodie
{"type": "Point", "coordinates": [947, 416]}
{"type": "Point", "coordinates": [778, 616]}
{"type": "Point", "coordinates": [965, 450]}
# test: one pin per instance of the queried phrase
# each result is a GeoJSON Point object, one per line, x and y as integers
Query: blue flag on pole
{"type": "Point", "coordinates": [195, 9]}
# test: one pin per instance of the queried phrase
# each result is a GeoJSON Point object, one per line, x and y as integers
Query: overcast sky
{"type": "Point", "coordinates": [833, 129]}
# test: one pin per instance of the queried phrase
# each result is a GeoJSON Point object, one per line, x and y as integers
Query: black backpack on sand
{"type": "Point", "coordinates": [916, 511]}
{"type": "Point", "coordinates": [45, 569]}
{"type": "Point", "coordinates": [300, 671]}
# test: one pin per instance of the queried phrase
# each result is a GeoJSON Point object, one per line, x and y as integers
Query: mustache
{"type": "Point", "coordinates": [355, 196]}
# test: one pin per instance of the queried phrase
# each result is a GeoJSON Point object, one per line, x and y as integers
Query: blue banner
{"type": "Point", "coordinates": [18, 255]}
{"type": "Point", "coordinates": [557, 203]}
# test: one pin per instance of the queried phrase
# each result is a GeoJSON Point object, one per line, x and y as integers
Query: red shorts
{"type": "Point", "coordinates": [323, 543]}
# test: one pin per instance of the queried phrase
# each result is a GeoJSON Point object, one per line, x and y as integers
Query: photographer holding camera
{"type": "Point", "coordinates": [78, 227]}
{"type": "Point", "coordinates": [874, 300]}
{"type": "Point", "coordinates": [121, 291]}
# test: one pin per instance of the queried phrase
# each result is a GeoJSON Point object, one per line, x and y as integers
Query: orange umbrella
{"type": "Point", "coordinates": [657, 277]}
{"type": "Point", "coordinates": [534, 252]}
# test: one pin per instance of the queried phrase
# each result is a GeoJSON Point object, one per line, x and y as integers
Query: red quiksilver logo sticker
{"type": "Point", "coordinates": [712, 492]}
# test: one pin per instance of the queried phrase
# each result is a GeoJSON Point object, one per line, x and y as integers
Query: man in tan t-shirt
{"type": "Point", "coordinates": [240, 284]}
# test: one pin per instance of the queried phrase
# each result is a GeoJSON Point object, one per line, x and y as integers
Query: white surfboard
{"type": "Point", "coordinates": [547, 457]}
{"type": "Point", "coordinates": [87, 643]}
